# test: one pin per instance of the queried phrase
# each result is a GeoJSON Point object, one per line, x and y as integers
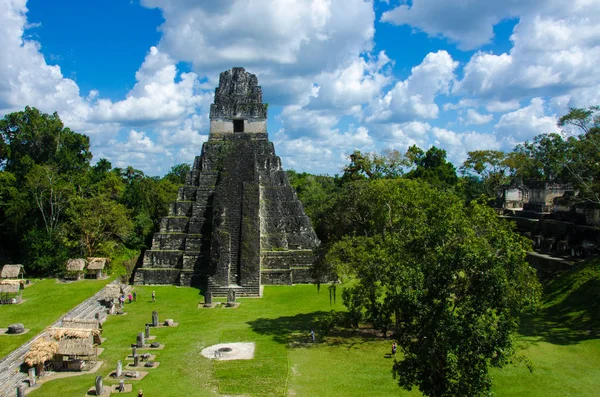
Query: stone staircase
{"type": "Point", "coordinates": [240, 291]}
{"type": "Point", "coordinates": [10, 375]}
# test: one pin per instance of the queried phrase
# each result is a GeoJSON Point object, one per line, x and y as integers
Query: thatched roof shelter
{"type": "Point", "coordinates": [74, 342]}
{"type": "Point", "coordinates": [111, 291]}
{"type": "Point", "coordinates": [76, 265]}
{"type": "Point", "coordinates": [42, 350]}
{"type": "Point", "coordinates": [12, 271]}
{"type": "Point", "coordinates": [97, 263]}
{"type": "Point", "coordinates": [81, 324]}
{"type": "Point", "coordinates": [78, 323]}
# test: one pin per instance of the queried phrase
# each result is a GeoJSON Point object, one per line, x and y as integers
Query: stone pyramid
{"type": "Point", "coordinates": [237, 222]}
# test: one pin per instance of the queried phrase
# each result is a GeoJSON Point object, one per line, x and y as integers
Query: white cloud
{"type": "Point", "coordinates": [501, 107]}
{"type": "Point", "coordinates": [348, 88]}
{"type": "Point", "coordinates": [415, 97]}
{"type": "Point", "coordinates": [461, 104]}
{"type": "Point", "coordinates": [473, 117]}
{"type": "Point", "coordinates": [156, 96]}
{"type": "Point", "coordinates": [457, 145]}
{"type": "Point", "coordinates": [470, 23]}
{"type": "Point", "coordinates": [554, 52]}
{"type": "Point", "coordinates": [276, 39]}
{"type": "Point", "coordinates": [525, 123]}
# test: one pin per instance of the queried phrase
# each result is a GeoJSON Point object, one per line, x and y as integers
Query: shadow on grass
{"type": "Point", "coordinates": [294, 331]}
{"type": "Point", "coordinates": [287, 329]}
{"type": "Point", "coordinates": [571, 312]}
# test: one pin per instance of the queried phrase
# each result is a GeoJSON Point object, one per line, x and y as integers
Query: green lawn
{"type": "Point", "coordinates": [287, 364]}
{"type": "Point", "coordinates": [45, 302]}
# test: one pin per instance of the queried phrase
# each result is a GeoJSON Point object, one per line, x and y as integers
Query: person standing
{"type": "Point", "coordinates": [312, 336]}
{"type": "Point", "coordinates": [134, 296]}
{"type": "Point", "coordinates": [394, 348]}
{"type": "Point", "coordinates": [153, 296]}
{"type": "Point", "coordinates": [130, 297]}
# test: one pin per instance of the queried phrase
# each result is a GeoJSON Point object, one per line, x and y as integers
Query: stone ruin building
{"type": "Point", "coordinates": [548, 213]}
{"type": "Point", "coordinates": [237, 222]}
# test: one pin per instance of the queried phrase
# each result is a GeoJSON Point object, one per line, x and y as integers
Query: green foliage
{"type": "Point", "coordinates": [45, 253]}
{"type": "Point", "coordinates": [44, 302]}
{"type": "Point", "coordinates": [388, 164]}
{"type": "Point", "coordinates": [178, 173]}
{"type": "Point", "coordinates": [31, 137]}
{"type": "Point", "coordinates": [98, 224]}
{"type": "Point", "coordinates": [490, 167]}
{"type": "Point", "coordinates": [450, 278]}
{"type": "Point", "coordinates": [431, 167]}
{"type": "Point", "coordinates": [53, 205]}
{"type": "Point", "coordinates": [317, 194]}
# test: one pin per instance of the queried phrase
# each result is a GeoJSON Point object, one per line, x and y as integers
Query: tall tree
{"type": "Point", "coordinates": [51, 193]}
{"type": "Point", "coordinates": [388, 164]}
{"type": "Point", "coordinates": [431, 166]}
{"type": "Point", "coordinates": [490, 166]}
{"type": "Point", "coordinates": [31, 137]}
{"type": "Point", "coordinates": [583, 163]}
{"type": "Point", "coordinates": [451, 279]}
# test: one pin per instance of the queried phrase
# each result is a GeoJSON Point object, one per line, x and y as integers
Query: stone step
{"type": "Point", "coordinates": [221, 291]}
{"type": "Point", "coordinates": [162, 259]}
{"type": "Point", "coordinates": [174, 224]}
{"type": "Point", "coordinates": [181, 208]}
{"type": "Point", "coordinates": [168, 241]}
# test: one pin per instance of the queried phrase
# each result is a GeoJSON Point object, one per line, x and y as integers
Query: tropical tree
{"type": "Point", "coordinates": [99, 224]}
{"type": "Point", "coordinates": [450, 279]}
{"type": "Point", "coordinates": [488, 165]}
{"type": "Point", "coordinates": [31, 137]}
{"type": "Point", "coordinates": [431, 166]}
{"type": "Point", "coordinates": [388, 164]}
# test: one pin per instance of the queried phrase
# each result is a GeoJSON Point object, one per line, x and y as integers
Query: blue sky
{"type": "Point", "coordinates": [138, 76]}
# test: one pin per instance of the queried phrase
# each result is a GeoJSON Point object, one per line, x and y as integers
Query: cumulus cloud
{"type": "Point", "coordinates": [349, 87]}
{"type": "Point", "coordinates": [525, 123]}
{"type": "Point", "coordinates": [415, 97]}
{"type": "Point", "coordinates": [458, 145]}
{"type": "Point", "coordinates": [554, 52]}
{"type": "Point", "coordinates": [470, 23]}
{"type": "Point", "coordinates": [156, 95]}
{"type": "Point", "coordinates": [472, 117]}
{"type": "Point", "coordinates": [501, 107]}
{"type": "Point", "coordinates": [322, 154]}
{"type": "Point", "coordinates": [25, 77]}
{"type": "Point", "coordinates": [272, 38]}
{"type": "Point", "coordinates": [163, 100]}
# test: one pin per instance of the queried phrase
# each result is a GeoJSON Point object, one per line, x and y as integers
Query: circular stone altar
{"type": "Point", "coordinates": [230, 351]}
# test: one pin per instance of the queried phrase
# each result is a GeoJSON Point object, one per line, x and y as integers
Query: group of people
{"type": "Point", "coordinates": [131, 297]}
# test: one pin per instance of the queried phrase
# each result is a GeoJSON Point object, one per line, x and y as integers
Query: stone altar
{"type": "Point", "coordinates": [237, 222]}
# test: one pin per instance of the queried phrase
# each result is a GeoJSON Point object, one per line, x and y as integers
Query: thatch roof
{"type": "Point", "coordinates": [9, 288]}
{"type": "Point", "coordinates": [78, 323]}
{"type": "Point", "coordinates": [97, 263]}
{"type": "Point", "coordinates": [76, 347]}
{"type": "Point", "coordinates": [42, 350]}
{"type": "Point", "coordinates": [74, 341]}
{"type": "Point", "coordinates": [76, 265]}
{"type": "Point", "coordinates": [111, 291]}
{"type": "Point", "coordinates": [12, 271]}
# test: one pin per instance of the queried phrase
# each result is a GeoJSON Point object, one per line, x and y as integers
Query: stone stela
{"type": "Point", "coordinates": [237, 223]}
{"type": "Point", "coordinates": [98, 386]}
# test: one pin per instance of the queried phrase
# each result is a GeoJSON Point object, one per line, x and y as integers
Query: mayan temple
{"type": "Point", "coordinates": [237, 222]}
